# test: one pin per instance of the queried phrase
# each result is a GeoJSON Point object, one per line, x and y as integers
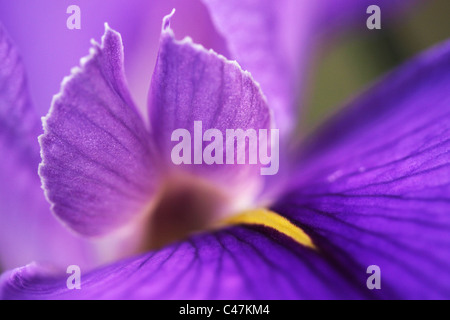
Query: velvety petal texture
{"type": "Point", "coordinates": [372, 188]}
{"type": "Point", "coordinates": [193, 85]}
{"type": "Point", "coordinates": [96, 167]}
{"type": "Point", "coordinates": [234, 263]}
{"type": "Point", "coordinates": [28, 231]}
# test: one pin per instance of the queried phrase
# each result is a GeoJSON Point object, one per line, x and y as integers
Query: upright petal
{"type": "Point", "coordinates": [28, 231]}
{"type": "Point", "coordinates": [191, 84]}
{"type": "Point", "coordinates": [96, 167]}
{"type": "Point", "coordinates": [373, 187]}
{"type": "Point", "coordinates": [235, 263]}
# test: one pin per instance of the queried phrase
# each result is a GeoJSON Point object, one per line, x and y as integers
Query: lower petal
{"type": "Point", "coordinates": [373, 187]}
{"type": "Point", "coordinates": [236, 263]}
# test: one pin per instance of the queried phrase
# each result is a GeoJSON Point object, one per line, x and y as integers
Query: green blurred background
{"type": "Point", "coordinates": [353, 60]}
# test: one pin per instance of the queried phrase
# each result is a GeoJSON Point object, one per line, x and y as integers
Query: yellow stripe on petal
{"type": "Point", "coordinates": [272, 220]}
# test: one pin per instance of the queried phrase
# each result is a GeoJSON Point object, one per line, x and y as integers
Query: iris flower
{"type": "Point", "coordinates": [370, 187]}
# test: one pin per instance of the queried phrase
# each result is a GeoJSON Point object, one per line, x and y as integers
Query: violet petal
{"type": "Point", "coordinates": [234, 263]}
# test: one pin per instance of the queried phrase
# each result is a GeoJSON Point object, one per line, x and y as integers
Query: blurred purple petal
{"type": "Point", "coordinates": [254, 32]}
{"type": "Point", "coordinates": [275, 41]}
{"type": "Point", "coordinates": [28, 231]}
{"type": "Point", "coordinates": [96, 169]}
{"type": "Point", "coordinates": [339, 15]}
{"type": "Point", "coordinates": [235, 263]}
{"type": "Point", "coordinates": [373, 187]}
{"type": "Point", "coordinates": [193, 84]}
{"type": "Point", "coordinates": [50, 49]}
{"type": "Point", "coordinates": [19, 123]}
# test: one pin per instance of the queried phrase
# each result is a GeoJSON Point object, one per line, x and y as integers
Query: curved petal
{"type": "Point", "coordinates": [28, 231]}
{"type": "Point", "coordinates": [196, 90]}
{"type": "Point", "coordinates": [96, 167]}
{"type": "Point", "coordinates": [275, 40]}
{"type": "Point", "coordinates": [373, 187]}
{"type": "Point", "coordinates": [235, 263]}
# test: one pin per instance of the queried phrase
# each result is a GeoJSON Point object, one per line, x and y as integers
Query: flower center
{"type": "Point", "coordinates": [187, 205]}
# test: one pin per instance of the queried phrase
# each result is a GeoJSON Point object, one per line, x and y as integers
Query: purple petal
{"type": "Point", "coordinates": [235, 263]}
{"type": "Point", "coordinates": [192, 84]}
{"type": "Point", "coordinates": [96, 167]}
{"type": "Point", "coordinates": [28, 231]}
{"type": "Point", "coordinates": [373, 187]}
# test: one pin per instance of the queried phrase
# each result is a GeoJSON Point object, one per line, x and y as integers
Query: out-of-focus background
{"type": "Point", "coordinates": [354, 59]}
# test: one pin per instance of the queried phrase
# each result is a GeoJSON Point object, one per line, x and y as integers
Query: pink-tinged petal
{"type": "Point", "coordinates": [96, 157]}
{"type": "Point", "coordinates": [373, 187]}
{"type": "Point", "coordinates": [276, 40]}
{"type": "Point", "coordinates": [235, 263]}
{"type": "Point", "coordinates": [191, 84]}
{"type": "Point", "coordinates": [28, 231]}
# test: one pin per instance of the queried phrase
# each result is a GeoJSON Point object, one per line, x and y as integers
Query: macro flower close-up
{"type": "Point", "coordinates": [232, 150]}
